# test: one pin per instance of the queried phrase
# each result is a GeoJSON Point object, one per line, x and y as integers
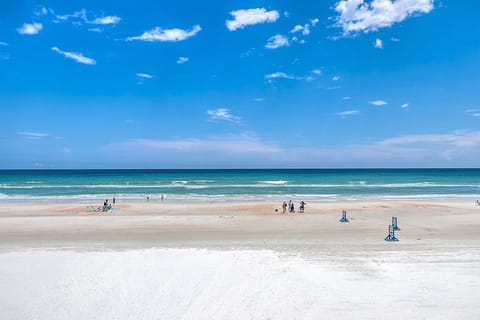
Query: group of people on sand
{"type": "Point", "coordinates": [106, 206]}
{"type": "Point", "coordinates": [291, 207]}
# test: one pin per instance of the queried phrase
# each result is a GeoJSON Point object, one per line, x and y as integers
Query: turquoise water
{"type": "Point", "coordinates": [241, 185]}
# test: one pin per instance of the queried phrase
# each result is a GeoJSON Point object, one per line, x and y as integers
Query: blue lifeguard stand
{"type": "Point", "coordinates": [391, 234]}
{"type": "Point", "coordinates": [394, 224]}
{"type": "Point", "coordinates": [344, 217]}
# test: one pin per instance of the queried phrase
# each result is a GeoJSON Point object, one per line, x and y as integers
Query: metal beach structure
{"type": "Point", "coordinates": [344, 217]}
{"type": "Point", "coordinates": [394, 224]}
{"type": "Point", "coordinates": [391, 234]}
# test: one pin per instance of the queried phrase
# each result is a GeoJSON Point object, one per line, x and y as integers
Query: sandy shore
{"type": "Point", "coordinates": [252, 225]}
{"type": "Point", "coordinates": [239, 261]}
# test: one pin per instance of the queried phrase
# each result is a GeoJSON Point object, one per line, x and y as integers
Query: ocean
{"type": "Point", "coordinates": [239, 184]}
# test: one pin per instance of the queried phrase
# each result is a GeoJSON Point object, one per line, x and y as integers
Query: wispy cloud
{"type": "Point", "coordinates": [360, 16]}
{"type": "Point", "coordinates": [393, 39]}
{"type": "Point", "coordinates": [166, 35]}
{"type": "Point", "coordinates": [346, 98]}
{"type": "Point", "coordinates": [305, 29]}
{"type": "Point", "coordinates": [230, 144]}
{"type": "Point", "coordinates": [222, 114]}
{"type": "Point", "coordinates": [378, 43]}
{"type": "Point", "coordinates": [106, 20]}
{"type": "Point", "coordinates": [75, 56]}
{"type": "Point", "coordinates": [30, 28]}
{"type": "Point", "coordinates": [378, 103]}
{"type": "Point", "coordinates": [182, 60]}
{"type": "Point", "coordinates": [279, 75]}
{"type": "Point", "coordinates": [318, 72]}
{"type": "Point", "coordinates": [302, 30]}
{"type": "Point", "coordinates": [78, 17]}
{"type": "Point", "coordinates": [247, 17]}
{"type": "Point", "coordinates": [456, 139]}
{"type": "Point", "coordinates": [41, 11]}
{"type": "Point", "coordinates": [277, 41]}
{"type": "Point", "coordinates": [32, 135]}
{"type": "Point", "coordinates": [336, 78]}
{"type": "Point", "coordinates": [3, 43]}
{"type": "Point", "coordinates": [348, 113]}
{"type": "Point", "coordinates": [144, 75]}
{"type": "Point", "coordinates": [473, 112]}
{"type": "Point", "coordinates": [404, 106]}
{"type": "Point", "coordinates": [407, 150]}
{"type": "Point", "coordinates": [82, 17]}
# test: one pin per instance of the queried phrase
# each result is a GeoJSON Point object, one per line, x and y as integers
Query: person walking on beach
{"type": "Point", "coordinates": [284, 207]}
{"type": "Point", "coordinates": [292, 208]}
{"type": "Point", "coordinates": [113, 200]}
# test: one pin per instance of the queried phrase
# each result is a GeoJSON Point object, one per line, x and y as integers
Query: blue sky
{"type": "Point", "coordinates": [239, 84]}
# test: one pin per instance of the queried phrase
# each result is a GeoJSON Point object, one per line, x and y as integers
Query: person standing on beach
{"type": "Point", "coordinates": [113, 200]}
{"type": "Point", "coordinates": [302, 206]}
{"type": "Point", "coordinates": [292, 208]}
{"type": "Point", "coordinates": [284, 207]}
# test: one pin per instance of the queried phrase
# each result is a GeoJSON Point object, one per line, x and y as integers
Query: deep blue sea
{"type": "Point", "coordinates": [239, 185]}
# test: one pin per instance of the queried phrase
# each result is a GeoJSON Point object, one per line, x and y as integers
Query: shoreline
{"type": "Point", "coordinates": [242, 225]}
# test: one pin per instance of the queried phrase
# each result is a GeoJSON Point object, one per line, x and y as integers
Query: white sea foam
{"type": "Point", "coordinates": [274, 182]}
{"type": "Point", "coordinates": [205, 284]}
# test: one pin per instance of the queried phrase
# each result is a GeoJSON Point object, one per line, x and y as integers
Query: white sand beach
{"type": "Point", "coordinates": [163, 260]}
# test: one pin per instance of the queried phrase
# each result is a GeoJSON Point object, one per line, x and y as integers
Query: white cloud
{"type": "Point", "coordinates": [81, 17]}
{"type": "Point", "coordinates": [279, 75]}
{"type": "Point", "coordinates": [222, 114]}
{"type": "Point", "coordinates": [318, 72]}
{"type": "Point", "coordinates": [228, 144]}
{"type": "Point", "coordinates": [347, 98]}
{"type": "Point", "coordinates": [33, 135]}
{"type": "Point", "coordinates": [393, 39]}
{"type": "Point", "coordinates": [358, 15]}
{"type": "Point", "coordinates": [30, 28]}
{"type": "Point", "coordinates": [464, 139]}
{"type": "Point", "coordinates": [348, 113]}
{"type": "Point", "coordinates": [336, 78]}
{"type": "Point", "coordinates": [95, 29]}
{"type": "Point", "coordinates": [144, 75]}
{"type": "Point", "coordinates": [305, 29]}
{"type": "Point", "coordinates": [258, 99]}
{"type": "Point", "coordinates": [404, 106]}
{"type": "Point", "coordinates": [159, 34]}
{"type": "Point", "coordinates": [378, 44]}
{"type": "Point", "coordinates": [378, 102]}
{"type": "Point", "coordinates": [247, 17]}
{"type": "Point", "coordinates": [314, 22]}
{"type": "Point", "coordinates": [473, 112]}
{"type": "Point", "coordinates": [75, 56]}
{"type": "Point", "coordinates": [106, 20]}
{"type": "Point", "coordinates": [277, 41]}
{"type": "Point", "coordinates": [78, 17]}
{"type": "Point", "coordinates": [3, 43]}
{"type": "Point", "coordinates": [182, 60]}
{"type": "Point", "coordinates": [41, 11]}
